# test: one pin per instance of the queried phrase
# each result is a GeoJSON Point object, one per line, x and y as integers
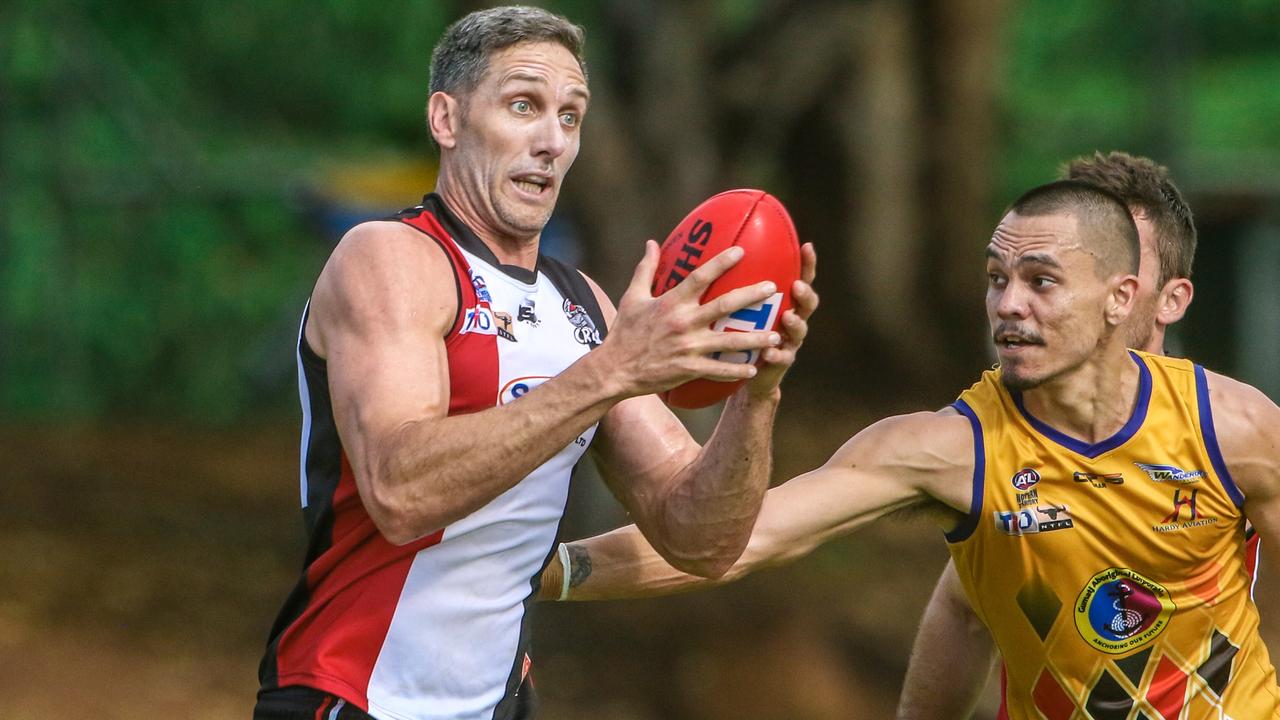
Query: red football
{"type": "Point", "coordinates": [755, 221]}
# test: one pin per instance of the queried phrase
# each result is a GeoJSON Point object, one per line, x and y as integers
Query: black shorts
{"type": "Point", "coordinates": [303, 703]}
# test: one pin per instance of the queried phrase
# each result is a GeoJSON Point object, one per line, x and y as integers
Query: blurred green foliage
{"type": "Point", "coordinates": [158, 162]}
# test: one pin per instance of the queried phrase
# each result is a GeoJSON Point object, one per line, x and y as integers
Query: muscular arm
{"type": "Point", "coordinates": [923, 459]}
{"type": "Point", "coordinates": [379, 315]}
{"type": "Point", "coordinates": [696, 505]}
{"type": "Point", "coordinates": [951, 659]}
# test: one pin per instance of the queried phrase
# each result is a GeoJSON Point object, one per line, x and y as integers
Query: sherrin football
{"type": "Point", "coordinates": [755, 221]}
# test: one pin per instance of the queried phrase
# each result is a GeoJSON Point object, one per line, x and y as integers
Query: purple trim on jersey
{"type": "Point", "coordinates": [970, 523]}
{"type": "Point", "coordinates": [1211, 439]}
{"type": "Point", "coordinates": [1122, 436]}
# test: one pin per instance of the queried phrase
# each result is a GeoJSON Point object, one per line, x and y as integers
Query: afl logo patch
{"type": "Point", "coordinates": [1025, 479]}
{"type": "Point", "coordinates": [1119, 610]}
{"type": "Point", "coordinates": [517, 388]}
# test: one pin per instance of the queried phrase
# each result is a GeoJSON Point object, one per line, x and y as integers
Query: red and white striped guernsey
{"type": "Point", "coordinates": [437, 628]}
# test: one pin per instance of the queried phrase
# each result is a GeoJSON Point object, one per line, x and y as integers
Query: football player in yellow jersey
{"type": "Point", "coordinates": [1093, 498]}
{"type": "Point", "coordinates": [953, 653]}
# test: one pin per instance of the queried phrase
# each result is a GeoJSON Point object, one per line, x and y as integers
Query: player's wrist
{"type": "Point", "coordinates": [565, 571]}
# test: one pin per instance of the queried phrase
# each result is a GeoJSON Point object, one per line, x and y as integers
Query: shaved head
{"type": "Point", "coordinates": [1103, 223]}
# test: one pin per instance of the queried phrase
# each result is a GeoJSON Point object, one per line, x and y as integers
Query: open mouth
{"type": "Point", "coordinates": [532, 184]}
{"type": "Point", "coordinates": [1012, 341]}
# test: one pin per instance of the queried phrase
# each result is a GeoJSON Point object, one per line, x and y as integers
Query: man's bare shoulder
{"type": "Point", "coordinates": [1245, 422]}
{"type": "Point", "coordinates": [381, 275]}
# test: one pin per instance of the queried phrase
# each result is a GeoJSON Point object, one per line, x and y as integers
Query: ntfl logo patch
{"type": "Point", "coordinates": [1119, 610]}
{"type": "Point", "coordinates": [1024, 479]}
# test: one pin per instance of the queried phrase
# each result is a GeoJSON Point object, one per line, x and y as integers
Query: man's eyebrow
{"type": "Point", "coordinates": [519, 76]}
{"type": "Point", "coordinates": [1028, 259]}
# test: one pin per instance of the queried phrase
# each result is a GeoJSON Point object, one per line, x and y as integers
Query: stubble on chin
{"type": "Point", "coordinates": [1014, 380]}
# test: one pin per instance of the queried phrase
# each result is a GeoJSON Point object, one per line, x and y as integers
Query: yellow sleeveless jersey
{"type": "Point", "coordinates": [1112, 575]}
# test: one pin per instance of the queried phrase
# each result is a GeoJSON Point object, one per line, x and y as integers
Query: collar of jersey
{"type": "Point", "coordinates": [1122, 435]}
{"type": "Point", "coordinates": [472, 243]}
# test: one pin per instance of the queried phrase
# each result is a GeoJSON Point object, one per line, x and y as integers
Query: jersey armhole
{"type": "Point", "coordinates": [1211, 439]}
{"type": "Point", "coordinates": [966, 527]}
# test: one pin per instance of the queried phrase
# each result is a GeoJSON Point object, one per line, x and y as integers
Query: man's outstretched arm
{"type": "Point", "coordinates": [951, 659]}
{"type": "Point", "coordinates": [884, 468]}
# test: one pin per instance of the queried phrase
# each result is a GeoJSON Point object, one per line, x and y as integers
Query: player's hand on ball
{"type": "Point", "coordinates": [657, 343]}
{"type": "Point", "coordinates": [775, 361]}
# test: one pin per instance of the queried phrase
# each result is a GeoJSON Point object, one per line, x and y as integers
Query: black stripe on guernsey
{"type": "Point", "coordinates": [323, 469]}
{"type": "Point", "coordinates": [469, 241]}
{"type": "Point", "coordinates": [1211, 439]}
{"type": "Point", "coordinates": [413, 212]}
{"type": "Point", "coordinates": [970, 522]}
{"type": "Point", "coordinates": [520, 701]}
{"type": "Point", "coordinates": [303, 703]}
{"type": "Point", "coordinates": [573, 286]}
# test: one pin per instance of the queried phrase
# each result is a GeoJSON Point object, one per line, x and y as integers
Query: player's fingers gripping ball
{"type": "Point", "coordinates": [756, 222]}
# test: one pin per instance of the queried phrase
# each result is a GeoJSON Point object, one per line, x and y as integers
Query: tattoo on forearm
{"type": "Point", "coordinates": [580, 561]}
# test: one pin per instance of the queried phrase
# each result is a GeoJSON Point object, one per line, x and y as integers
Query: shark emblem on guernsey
{"type": "Point", "coordinates": [1170, 473]}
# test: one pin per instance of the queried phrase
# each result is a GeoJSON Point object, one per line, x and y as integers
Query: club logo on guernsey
{"type": "Point", "coordinates": [1120, 610]}
{"type": "Point", "coordinates": [1024, 479]}
{"type": "Point", "coordinates": [515, 389]}
{"type": "Point", "coordinates": [1170, 473]}
{"type": "Point", "coordinates": [1032, 520]}
{"type": "Point", "coordinates": [760, 316]}
{"type": "Point", "coordinates": [584, 330]}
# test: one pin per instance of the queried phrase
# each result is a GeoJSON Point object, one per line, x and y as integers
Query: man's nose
{"type": "Point", "coordinates": [549, 138]}
{"type": "Point", "coordinates": [1013, 301]}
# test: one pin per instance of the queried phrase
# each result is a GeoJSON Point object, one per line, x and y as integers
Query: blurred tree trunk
{"type": "Point", "coordinates": [872, 121]}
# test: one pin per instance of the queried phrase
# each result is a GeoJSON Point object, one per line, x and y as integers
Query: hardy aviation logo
{"type": "Point", "coordinates": [584, 330]}
{"type": "Point", "coordinates": [1170, 473]}
{"type": "Point", "coordinates": [1119, 610]}
{"type": "Point", "coordinates": [1184, 499]}
{"type": "Point", "coordinates": [1024, 479]}
{"type": "Point", "coordinates": [1032, 520]}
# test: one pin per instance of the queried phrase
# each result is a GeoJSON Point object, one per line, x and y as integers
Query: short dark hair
{"type": "Point", "coordinates": [1144, 185]}
{"type": "Point", "coordinates": [1104, 220]}
{"type": "Point", "coordinates": [461, 58]}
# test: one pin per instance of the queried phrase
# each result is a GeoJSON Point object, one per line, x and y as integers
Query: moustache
{"type": "Point", "coordinates": [1024, 335]}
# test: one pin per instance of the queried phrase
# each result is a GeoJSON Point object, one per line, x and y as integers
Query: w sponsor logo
{"type": "Point", "coordinates": [1170, 473]}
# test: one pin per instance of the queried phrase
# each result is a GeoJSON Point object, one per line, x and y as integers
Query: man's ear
{"type": "Point", "coordinates": [444, 118]}
{"type": "Point", "coordinates": [1124, 291]}
{"type": "Point", "coordinates": [1175, 297]}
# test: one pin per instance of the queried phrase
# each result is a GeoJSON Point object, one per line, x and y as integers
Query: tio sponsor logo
{"type": "Point", "coordinates": [479, 320]}
{"type": "Point", "coordinates": [1030, 521]}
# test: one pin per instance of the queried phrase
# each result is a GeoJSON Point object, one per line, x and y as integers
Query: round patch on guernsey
{"type": "Point", "coordinates": [1119, 610]}
{"type": "Point", "coordinates": [1024, 479]}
